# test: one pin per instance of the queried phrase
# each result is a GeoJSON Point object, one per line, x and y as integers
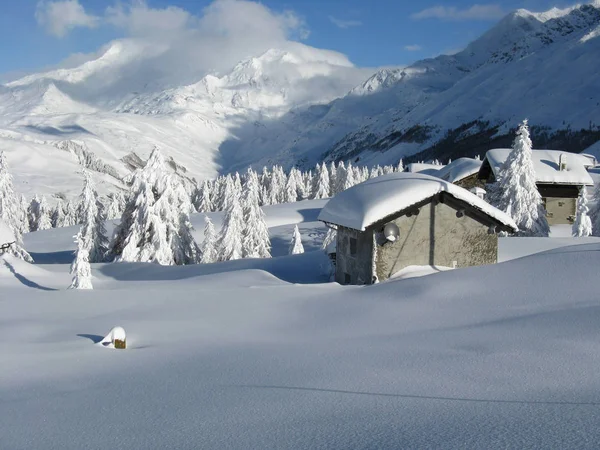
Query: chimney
{"type": "Point", "coordinates": [562, 162]}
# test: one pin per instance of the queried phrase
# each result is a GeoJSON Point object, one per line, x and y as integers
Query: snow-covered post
{"type": "Point", "coordinates": [80, 268]}
{"type": "Point", "coordinates": [582, 227]}
{"type": "Point", "coordinates": [296, 246]}
{"type": "Point", "coordinates": [516, 192]}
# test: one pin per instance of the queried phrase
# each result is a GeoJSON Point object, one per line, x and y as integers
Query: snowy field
{"type": "Point", "coordinates": [266, 354]}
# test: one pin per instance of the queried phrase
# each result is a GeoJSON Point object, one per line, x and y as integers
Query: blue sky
{"type": "Point", "coordinates": [370, 32]}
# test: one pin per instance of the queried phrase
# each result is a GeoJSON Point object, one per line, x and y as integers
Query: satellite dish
{"type": "Point", "coordinates": [391, 232]}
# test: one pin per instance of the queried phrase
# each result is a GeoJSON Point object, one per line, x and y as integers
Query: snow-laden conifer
{"type": "Point", "coordinates": [205, 203]}
{"type": "Point", "coordinates": [296, 246]}
{"type": "Point", "coordinates": [80, 268]}
{"type": "Point", "coordinates": [349, 180]}
{"type": "Point", "coordinates": [255, 242]}
{"type": "Point", "coordinates": [582, 227]}
{"type": "Point", "coordinates": [23, 209]}
{"type": "Point", "coordinates": [93, 231]}
{"type": "Point", "coordinates": [173, 208]}
{"type": "Point", "coordinates": [33, 213]}
{"type": "Point", "coordinates": [400, 166]}
{"type": "Point", "coordinates": [321, 182]}
{"type": "Point", "coordinates": [40, 214]}
{"type": "Point", "coordinates": [70, 214]}
{"type": "Point", "coordinates": [330, 238]}
{"type": "Point", "coordinates": [11, 211]}
{"type": "Point", "coordinates": [332, 178]}
{"type": "Point", "coordinates": [230, 239]}
{"type": "Point", "coordinates": [291, 188]}
{"type": "Point", "coordinates": [209, 245]}
{"type": "Point", "coordinates": [516, 192]}
{"type": "Point", "coordinates": [57, 217]}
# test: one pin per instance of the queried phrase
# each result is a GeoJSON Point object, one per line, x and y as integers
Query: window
{"type": "Point", "coordinates": [561, 203]}
{"type": "Point", "coordinates": [353, 246]}
{"type": "Point", "coordinates": [347, 278]}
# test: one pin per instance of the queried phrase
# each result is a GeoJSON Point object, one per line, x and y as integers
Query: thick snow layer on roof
{"type": "Point", "coordinates": [459, 169]}
{"type": "Point", "coordinates": [6, 234]}
{"type": "Point", "coordinates": [375, 199]}
{"type": "Point", "coordinates": [545, 163]}
{"type": "Point", "coordinates": [427, 169]}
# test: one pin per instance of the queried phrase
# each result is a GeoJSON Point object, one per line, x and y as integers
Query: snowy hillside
{"type": "Point", "coordinates": [295, 104]}
{"type": "Point", "coordinates": [264, 354]}
{"type": "Point", "coordinates": [108, 113]}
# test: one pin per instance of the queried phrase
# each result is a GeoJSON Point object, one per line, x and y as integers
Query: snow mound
{"type": "Point", "coordinates": [374, 200]}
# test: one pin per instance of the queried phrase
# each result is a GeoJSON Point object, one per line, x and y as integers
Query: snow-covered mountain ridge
{"type": "Point", "coordinates": [299, 105]}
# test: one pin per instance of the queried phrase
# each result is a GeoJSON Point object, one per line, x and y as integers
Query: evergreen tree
{"type": "Point", "coordinates": [595, 212]}
{"type": "Point", "coordinates": [80, 268]}
{"type": "Point", "coordinates": [330, 238]}
{"type": "Point", "coordinates": [205, 203]}
{"type": "Point", "coordinates": [93, 231]}
{"type": "Point", "coordinates": [265, 187]}
{"type": "Point", "coordinates": [291, 188]}
{"type": "Point", "coordinates": [516, 192]}
{"type": "Point", "coordinates": [11, 211]}
{"type": "Point", "coordinates": [349, 180]}
{"type": "Point", "coordinates": [70, 214]}
{"type": "Point", "coordinates": [43, 222]}
{"type": "Point", "coordinates": [209, 248]}
{"type": "Point", "coordinates": [296, 246]}
{"type": "Point", "coordinates": [24, 221]}
{"type": "Point", "coordinates": [174, 207]}
{"type": "Point", "coordinates": [340, 177]}
{"type": "Point", "coordinates": [400, 167]}
{"type": "Point", "coordinates": [582, 227]}
{"type": "Point", "coordinates": [332, 178]}
{"type": "Point", "coordinates": [33, 213]}
{"type": "Point", "coordinates": [230, 242]}
{"type": "Point", "coordinates": [58, 215]}
{"type": "Point", "coordinates": [321, 182]}
{"type": "Point", "coordinates": [308, 184]}
{"type": "Point", "coordinates": [255, 242]}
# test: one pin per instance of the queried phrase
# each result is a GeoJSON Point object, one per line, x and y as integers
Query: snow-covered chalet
{"type": "Point", "coordinates": [558, 175]}
{"type": "Point", "coordinates": [404, 219]}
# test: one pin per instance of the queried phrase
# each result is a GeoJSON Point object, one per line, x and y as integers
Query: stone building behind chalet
{"type": "Point", "coordinates": [404, 219]}
{"type": "Point", "coordinates": [559, 178]}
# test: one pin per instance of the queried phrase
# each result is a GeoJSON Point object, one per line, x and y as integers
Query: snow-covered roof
{"type": "Point", "coordinates": [375, 199]}
{"type": "Point", "coordinates": [545, 163]}
{"type": "Point", "coordinates": [459, 169]}
{"type": "Point", "coordinates": [427, 169]}
{"type": "Point", "coordinates": [6, 234]}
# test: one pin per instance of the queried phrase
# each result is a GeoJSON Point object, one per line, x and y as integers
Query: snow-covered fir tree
{"type": "Point", "coordinates": [582, 227]}
{"type": "Point", "coordinates": [291, 188]}
{"type": "Point", "coordinates": [93, 231]}
{"type": "Point", "coordinates": [232, 230]}
{"type": "Point", "coordinates": [400, 166]}
{"type": "Point", "coordinates": [174, 207]}
{"type": "Point", "coordinates": [321, 182]}
{"type": "Point", "coordinates": [33, 213]}
{"type": "Point", "coordinates": [44, 222]}
{"type": "Point", "coordinates": [515, 191]}
{"type": "Point", "coordinates": [296, 246]}
{"type": "Point", "coordinates": [330, 238]}
{"type": "Point", "coordinates": [595, 211]}
{"type": "Point", "coordinates": [349, 180]}
{"type": "Point", "coordinates": [205, 203]}
{"type": "Point", "coordinates": [23, 209]}
{"type": "Point", "coordinates": [11, 212]}
{"type": "Point", "coordinates": [71, 214]}
{"type": "Point", "coordinates": [265, 180]}
{"type": "Point", "coordinates": [255, 241]}
{"type": "Point", "coordinates": [80, 268]}
{"type": "Point", "coordinates": [332, 178]}
{"type": "Point", "coordinates": [58, 214]}
{"type": "Point", "coordinates": [209, 245]}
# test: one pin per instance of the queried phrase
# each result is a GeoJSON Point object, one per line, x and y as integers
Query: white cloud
{"type": "Point", "coordinates": [60, 17]}
{"type": "Point", "coordinates": [475, 12]}
{"type": "Point", "coordinates": [413, 48]}
{"type": "Point", "coordinates": [340, 23]}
